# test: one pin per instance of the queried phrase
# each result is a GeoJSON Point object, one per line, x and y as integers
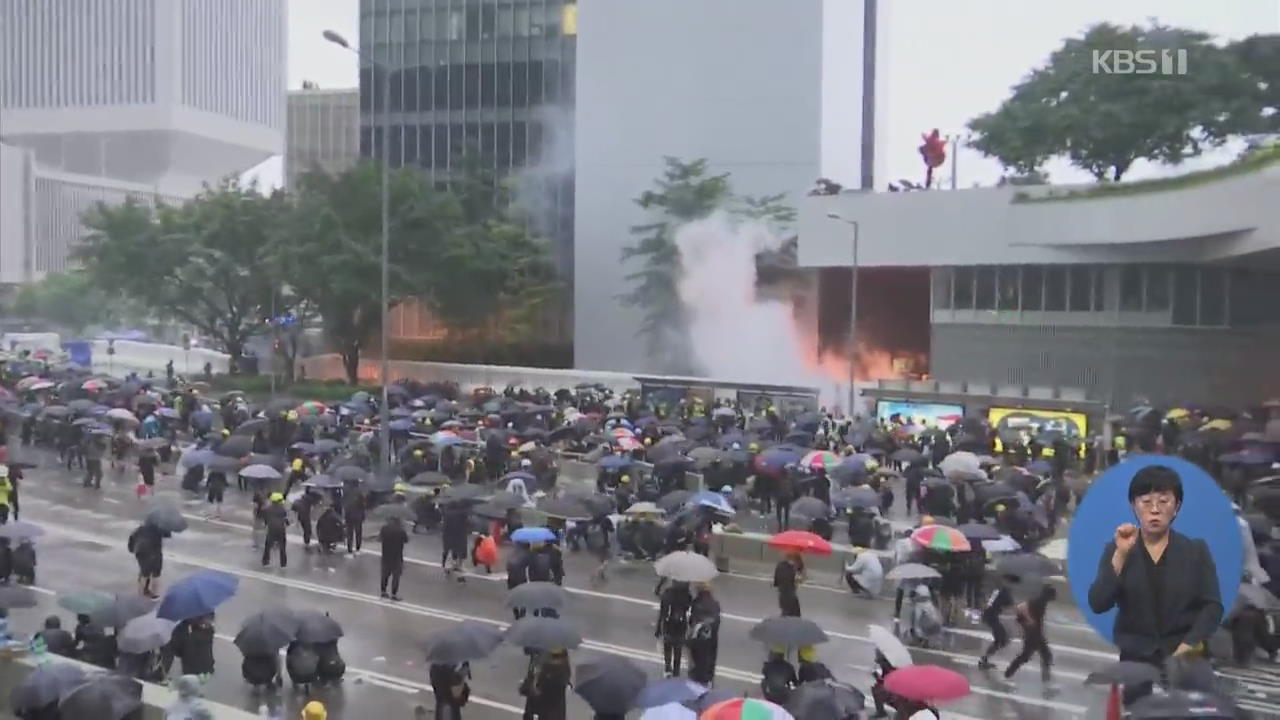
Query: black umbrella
{"type": "Point", "coordinates": [236, 446]}
{"type": "Point", "coordinates": [504, 500]}
{"type": "Point", "coordinates": [978, 531]}
{"type": "Point", "coordinates": [543, 633]}
{"type": "Point", "coordinates": [1026, 564]}
{"type": "Point", "coordinates": [674, 500]}
{"type": "Point", "coordinates": [825, 700]}
{"type": "Point", "coordinates": [167, 517]}
{"type": "Point", "coordinates": [268, 631]}
{"type": "Point", "coordinates": [102, 697]}
{"type": "Point", "coordinates": [44, 685]}
{"type": "Point", "coordinates": [537, 596]}
{"type": "Point", "coordinates": [906, 455]}
{"type": "Point", "coordinates": [222, 464]}
{"type": "Point", "coordinates": [351, 474]}
{"type": "Point", "coordinates": [249, 427]}
{"type": "Point", "coordinates": [788, 632]}
{"type": "Point", "coordinates": [317, 627]}
{"type": "Point", "coordinates": [468, 640]}
{"type": "Point", "coordinates": [861, 496]}
{"type": "Point", "coordinates": [1180, 705]}
{"type": "Point", "coordinates": [810, 507]}
{"type": "Point", "coordinates": [1124, 672]}
{"type": "Point", "coordinates": [609, 684]}
{"type": "Point", "coordinates": [323, 482]}
{"type": "Point", "coordinates": [429, 478]}
{"type": "Point", "coordinates": [462, 493]}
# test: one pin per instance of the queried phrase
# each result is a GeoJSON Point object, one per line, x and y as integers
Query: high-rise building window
{"type": "Point", "coordinates": [1081, 288]}
{"type": "Point", "coordinates": [1158, 291]}
{"type": "Point", "coordinates": [1213, 297]}
{"type": "Point", "coordinates": [984, 294]}
{"type": "Point", "coordinates": [1131, 288]}
{"type": "Point", "coordinates": [1007, 287]}
{"type": "Point", "coordinates": [1055, 289]}
{"type": "Point", "coordinates": [942, 288]}
{"type": "Point", "coordinates": [1186, 286]}
{"type": "Point", "coordinates": [964, 288]}
{"type": "Point", "coordinates": [1032, 282]}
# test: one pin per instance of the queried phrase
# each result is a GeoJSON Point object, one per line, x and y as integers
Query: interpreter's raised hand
{"type": "Point", "coordinates": [1126, 536]}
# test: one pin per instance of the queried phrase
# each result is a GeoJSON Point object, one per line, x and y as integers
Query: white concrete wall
{"type": "Point", "coordinates": [15, 209]}
{"type": "Point", "coordinates": [141, 357]}
{"type": "Point", "coordinates": [1210, 221]}
{"type": "Point", "coordinates": [738, 82]}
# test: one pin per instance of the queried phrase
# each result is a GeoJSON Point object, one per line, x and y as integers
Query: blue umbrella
{"type": "Point", "coordinates": [445, 439]}
{"type": "Point", "coordinates": [533, 535]}
{"type": "Point", "coordinates": [197, 594]}
{"type": "Point", "coordinates": [202, 419]}
{"type": "Point", "coordinates": [715, 501]}
{"type": "Point", "coordinates": [775, 459]}
{"type": "Point", "coordinates": [615, 462]}
{"type": "Point", "coordinates": [1040, 467]}
{"type": "Point", "coordinates": [401, 425]}
{"type": "Point", "coordinates": [670, 691]}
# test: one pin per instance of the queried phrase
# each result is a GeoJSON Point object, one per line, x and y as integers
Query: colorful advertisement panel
{"type": "Point", "coordinates": [939, 415]}
{"type": "Point", "coordinates": [1033, 422]}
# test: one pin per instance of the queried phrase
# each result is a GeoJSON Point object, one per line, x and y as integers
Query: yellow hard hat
{"type": "Point", "coordinates": [277, 497]}
{"type": "Point", "coordinates": [808, 654]}
{"type": "Point", "coordinates": [401, 488]}
{"type": "Point", "coordinates": [515, 454]}
{"type": "Point", "coordinates": [417, 452]}
{"type": "Point", "coordinates": [314, 710]}
{"type": "Point", "coordinates": [927, 520]}
{"type": "Point", "coordinates": [293, 415]}
{"type": "Point", "coordinates": [297, 463]}
{"type": "Point", "coordinates": [225, 432]}
{"type": "Point", "coordinates": [648, 441]}
{"type": "Point", "coordinates": [624, 479]}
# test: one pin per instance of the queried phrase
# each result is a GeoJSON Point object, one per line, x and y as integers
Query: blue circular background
{"type": "Point", "coordinates": [1206, 513]}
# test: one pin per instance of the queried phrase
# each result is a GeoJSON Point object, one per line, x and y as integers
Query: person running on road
{"type": "Point", "coordinates": [999, 601]}
{"type": "Point", "coordinates": [1031, 618]}
{"type": "Point", "coordinates": [147, 545]}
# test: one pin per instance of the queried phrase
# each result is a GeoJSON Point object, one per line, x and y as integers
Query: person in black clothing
{"type": "Point", "coordinates": [192, 644]}
{"type": "Point", "coordinates": [449, 685]}
{"type": "Point", "coordinates": [787, 577]}
{"type": "Point", "coordinates": [215, 491]}
{"type": "Point", "coordinates": [393, 538]}
{"type": "Point", "coordinates": [276, 520]}
{"type": "Point", "coordinates": [302, 510]}
{"type": "Point", "coordinates": [1164, 584]}
{"type": "Point", "coordinates": [544, 686]}
{"type": "Point", "coordinates": [353, 510]}
{"type": "Point", "coordinates": [784, 493]}
{"type": "Point", "coordinates": [704, 636]}
{"type": "Point", "coordinates": [454, 533]}
{"type": "Point", "coordinates": [56, 640]}
{"type": "Point", "coordinates": [811, 668]}
{"type": "Point", "coordinates": [777, 678]}
{"type": "Point", "coordinates": [1000, 601]}
{"type": "Point", "coordinates": [147, 545]}
{"type": "Point", "coordinates": [1031, 618]}
{"type": "Point", "coordinates": [673, 625]}
{"type": "Point", "coordinates": [92, 644]}
{"type": "Point", "coordinates": [147, 461]}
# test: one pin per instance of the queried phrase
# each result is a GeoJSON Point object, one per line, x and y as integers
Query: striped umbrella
{"type": "Point", "coordinates": [311, 408]}
{"type": "Point", "coordinates": [821, 460]}
{"type": "Point", "coordinates": [940, 537]}
{"type": "Point", "coordinates": [745, 709]}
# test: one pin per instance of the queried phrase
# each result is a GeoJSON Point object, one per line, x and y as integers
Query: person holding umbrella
{"type": "Point", "coordinates": [147, 545]}
{"type": "Point", "coordinates": [704, 635]}
{"type": "Point", "coordinates": [673, 625]}
{"type": "Point", "coordinates": [450, 687]}
{"type": "Point", "coordinates": [192, 644]}
{"type": "Point", "coordinates": [393, 538]}
{"type": "Point", "coordinates": [545, 684]}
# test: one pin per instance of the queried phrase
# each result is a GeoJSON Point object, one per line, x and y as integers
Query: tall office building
{"type": "Point", "coordinates": [104, 99]}
{"type": "Point", "coordinates": [495, 77]}
{"type": "Point", "coordinates": [323, 132]}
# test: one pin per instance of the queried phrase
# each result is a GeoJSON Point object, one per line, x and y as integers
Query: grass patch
{"type": "Point", "coordinates": [258, 387]}
{"type": "Point", "coordinates": [1250, 163]}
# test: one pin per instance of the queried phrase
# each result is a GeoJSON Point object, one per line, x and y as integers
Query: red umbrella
{"type": "Point", "coordinates": [927, 684]}
{"type": "Point", "coordinates": [941, 537]}
{"type": "Point", "coordinates": [800, 541]}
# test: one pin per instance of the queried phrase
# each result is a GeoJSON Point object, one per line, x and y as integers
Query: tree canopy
{"type": "Point", "coordinates": [71, 301]}
{"type": "Point", "coordinates": [232, 257]}
{"type": "Point", "coordinates": [1104, 122]}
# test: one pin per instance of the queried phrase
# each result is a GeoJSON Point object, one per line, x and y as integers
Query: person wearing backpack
{"type": "Point", "coordinates": [450, 687]}
{"type": "Point", "coordinates": [926, 620]}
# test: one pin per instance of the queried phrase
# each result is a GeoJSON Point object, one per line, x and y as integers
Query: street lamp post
{"type": "Point", "coordinates": [853, 313]}
{"type": "Point", "coordinates": [384, 413]}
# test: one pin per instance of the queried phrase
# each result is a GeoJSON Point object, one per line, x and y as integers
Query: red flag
{"type": "Point", "coordinates": [1115, 707]}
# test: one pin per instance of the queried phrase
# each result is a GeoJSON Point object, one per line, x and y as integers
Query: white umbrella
{"type": "Point", "coordinates": [912, 571]}
{"type": "Point", "coordinates": [670, 711]}
{"type": "Point", "coordinates": [643, 508]}
{"type": "Point", "coordinates": [260, 472]}
{"type": "Point", "coordinates": [145, 633]}
{"type": "Point", "coordinates": [1002, 544]}
{"type": "Point", "coordinates": [890, 646]}
{"type": "Point", "coordinates": [121, 414]}
{"type": "Point", "coordinates": [962, 466]}
{"type": "Point", "coordinates": [684, 566]}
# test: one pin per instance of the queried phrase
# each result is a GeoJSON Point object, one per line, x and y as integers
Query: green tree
{"type": "Point", "coordinates": [202, 263]}
{"type": "Point", "coordinates": [72, 301]}
{"type": "Point", "coordinates": [687, 191]}
{"type": "Point", "coordinates": [1104, 122]}
{"type": "Point", "coordinates": [1258, 69]}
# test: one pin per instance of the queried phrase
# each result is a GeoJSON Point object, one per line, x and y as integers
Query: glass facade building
{"type": "Point", "coordinates": [492, 77]}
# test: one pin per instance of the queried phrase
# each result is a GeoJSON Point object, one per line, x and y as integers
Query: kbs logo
{"type": "Point", "coordinates": [1140, 62]}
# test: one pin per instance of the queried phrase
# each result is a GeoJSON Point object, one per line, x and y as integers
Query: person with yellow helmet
{"type": "Point", "coordinates": [276, 520]}
{"type": "Point", "coordinates": [811, 668]}
{"type": "Point", "coordinates": [314, 710]}
{"type": "Point", "coordinates": [297, 473]}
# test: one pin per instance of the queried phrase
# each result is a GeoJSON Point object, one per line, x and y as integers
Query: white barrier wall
{"type": "Point", "coordinates": [468, 377]}
{"type": "Point", "coordinates": [141, 357]}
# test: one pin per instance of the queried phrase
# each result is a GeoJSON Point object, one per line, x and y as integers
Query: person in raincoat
{"type": "Point", "coordinates": [865, 574]}
{"type": "Point", "coordinates": [147, 545]}
{"type": "Point", "coordinates": [189, 705]}
{"type": "Point", "coordinates": [329, 528]}
{"type": "Point", "coordinates": [925, 622]}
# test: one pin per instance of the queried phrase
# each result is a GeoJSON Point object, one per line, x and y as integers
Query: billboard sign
{"type": "Point", "coordinates": [1032, 422]}
{"type": "Point", "coordinates": [940, 415]}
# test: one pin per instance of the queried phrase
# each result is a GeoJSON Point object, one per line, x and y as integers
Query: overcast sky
{"type": "Point", "coordinates": [948, 61]}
